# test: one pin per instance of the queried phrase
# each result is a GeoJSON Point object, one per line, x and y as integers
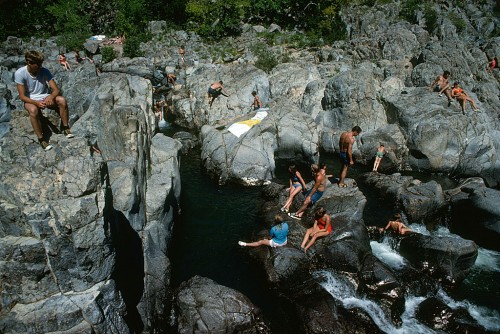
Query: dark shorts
{"type": "Point", "coordinates": [212, 91]}
{"type": "Point", "coordinates": [316, 196]}
{"type": "Point", "coordinates": [343, 157]}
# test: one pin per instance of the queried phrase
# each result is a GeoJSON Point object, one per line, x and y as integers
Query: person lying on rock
{"type": "Point", "coordinates": [397, 226]}
{"type": "Point", "coordinates": [278, 234]}
{"type": "Point", "coordinates": [462, 97]}
{"type": "Point", "coordinates": [442, 85]}
{"type": "Point", "coordinates": [214, 91]}
{"type": "Point", "coordinates": [313, 195]}
{"type": "Point", "coordinates": [297, 184]}
{"type": "Point", "coordinates": [33, 82]}
{"type": "Point", "coordinates": [322, 227]}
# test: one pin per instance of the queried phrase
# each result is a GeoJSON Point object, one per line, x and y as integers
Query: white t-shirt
{"type": "Point", "coordinates": [36, 88]}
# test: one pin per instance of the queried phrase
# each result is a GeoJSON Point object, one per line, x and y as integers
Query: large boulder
{"type": "Point", "coordinates": [207, 307]}
{"type": "Point", "coordinates": [249, 159]}
{"type": "Point", "coordinates": [448, 258]}
{"type": "Point", "coordinates": [421, 202]}
{"type": "Point", "coordinates": [88, 229]}
{"type": "Point", "coordinates": [475, 213]}
{"type": "Point", "coordinates": [440, 317]}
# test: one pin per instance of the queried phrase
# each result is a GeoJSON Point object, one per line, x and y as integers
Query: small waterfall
{"type": "Point", "coordinates": [487, 264]}
{"type": "Point", "coordinates": [344, 292]}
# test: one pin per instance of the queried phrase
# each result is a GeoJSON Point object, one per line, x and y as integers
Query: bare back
{"type": "Point", "coordinates": [346, 141]}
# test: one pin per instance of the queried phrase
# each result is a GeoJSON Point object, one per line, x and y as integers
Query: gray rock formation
{"type": "Point", "coordinates": [475, 213]}
{"type": "Point", "coordinates": [87, 234]}
{"type": "Point", "coordinates": [206, 307]}
{"type": "Point", "coordinates": [421, 202]}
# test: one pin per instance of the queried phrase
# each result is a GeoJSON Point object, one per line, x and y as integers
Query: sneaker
{"type": "Point", "coordinates": [440, 95]}
{"type": "Point", "coordinates": [46, 146]}
{"type": "Point", "coordinates": [67, 133]}
{"type": "Point", "coordinates": [241, 243]}
{"type": "Point", "coordinates": [294, 216]}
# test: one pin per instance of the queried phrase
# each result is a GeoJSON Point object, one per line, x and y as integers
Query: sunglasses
{"type": "Point", "coordinates": [34, 63]}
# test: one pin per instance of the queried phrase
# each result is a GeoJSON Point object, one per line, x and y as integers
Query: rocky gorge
{"type": "Point", "coordinates": [85, 237]}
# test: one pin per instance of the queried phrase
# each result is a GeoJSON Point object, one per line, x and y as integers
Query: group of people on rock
{"type": "Point", "coordinates": [78, 58]}
{"type": "Point", "coordinates": [322, 225]}
{"type": "Point", "coordinates": [442, 86]}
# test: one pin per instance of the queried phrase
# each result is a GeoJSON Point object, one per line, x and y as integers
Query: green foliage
{"type": "Point", "coordinates": [457, 21]}
{"type": "Point", "coordinates": [409, 9]}
{"type": "Point", "coordinates": [266, 60]}
{"type": "Point", "coordinates": [431, 17]}
{"type": "Point", "coordinates": [23, 18]}
{"type": "Point", "coordinates": [71, 23]}
{"type": "Point", "coordinates": [214, 19]}
{"type": "Point", "coordinates": [108, 54]}
{"type": "Point", "coordinates": [315, 18]}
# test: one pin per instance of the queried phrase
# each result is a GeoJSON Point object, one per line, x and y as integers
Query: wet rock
{"type": "Point", "coordinates": [421, 202]}
{"type": "Point", "coordinates": [440, 317]}
{"type": "Point", "coordinates": [447, 258]}
{"type": "Point", "coordinates": [475, 213]}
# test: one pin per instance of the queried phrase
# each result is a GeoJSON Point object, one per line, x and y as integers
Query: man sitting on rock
{"type": "Point", "coordinates": [442, 85]}
{"type": "Point", "coordinates": [313, 195]}
{"type": "Point", "coordinates": [33, 82]}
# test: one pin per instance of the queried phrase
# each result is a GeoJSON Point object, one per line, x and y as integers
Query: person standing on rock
{"type": "Point", "coordinates": [214, 91]}
{"type": "Point", "coordinates": [33, 82]}
{"type": "Point", "coordinates": [322, 227]}
{"type": "Point", "coordinates": [313, 195]}
{"type": "Point", "coordinates": [278, 234]}
{"type": "Point", "coordinates": [442, 85]}
{"type": "Point", "coordinates": [182, 52]}
{"type": "Point", "coordinates": [257, 103]}
{"type": "Point", "coordinates": [345, 146]}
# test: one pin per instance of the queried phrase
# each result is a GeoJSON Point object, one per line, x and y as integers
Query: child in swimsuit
{"type": "Point", "coordinates": [278, 233]}
{"type": "Point", "coordinates": [378, 157]}
{"type": "Point", "coordinates": [322, 227]}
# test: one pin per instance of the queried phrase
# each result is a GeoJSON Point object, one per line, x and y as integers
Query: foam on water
{"type": "Point", "coordinates": [344, 291]}
{"type": "Point", "coordinates": [384, 252]}
{"type": "Point", "coordinates": [486, 317]}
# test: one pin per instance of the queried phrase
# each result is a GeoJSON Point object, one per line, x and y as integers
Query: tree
{"type": "Point", "coordinates": [216, 18]}
{"type": "Point", "coordinates": [72, 22]}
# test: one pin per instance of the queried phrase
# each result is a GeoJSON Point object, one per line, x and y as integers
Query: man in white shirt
{"type": "Point", "coordinates": [33, 82]}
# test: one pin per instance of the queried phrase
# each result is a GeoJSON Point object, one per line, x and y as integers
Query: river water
{"type": "Point", "coordinates": [215, 217]}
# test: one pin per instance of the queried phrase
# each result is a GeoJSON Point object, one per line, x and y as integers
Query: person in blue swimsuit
{"type": "Point", "coordinates": [297, 184]}
{"type": "Point", "coordinates": [278, 234]}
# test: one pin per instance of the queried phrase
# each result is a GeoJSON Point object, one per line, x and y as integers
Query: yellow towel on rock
{"type": "Point", "coordinates": [242, 127]}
